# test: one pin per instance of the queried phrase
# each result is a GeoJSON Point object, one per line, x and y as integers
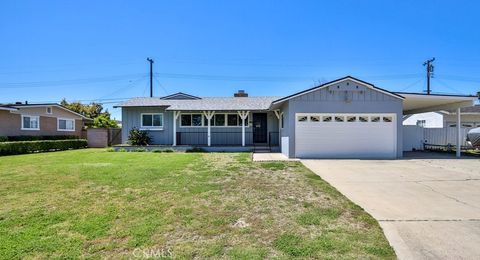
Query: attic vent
{"type": "Point", "coordinates": [240, 93]}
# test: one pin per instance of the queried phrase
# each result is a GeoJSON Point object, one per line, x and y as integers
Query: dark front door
{"type": "Point", "coordinates": [259, 127]}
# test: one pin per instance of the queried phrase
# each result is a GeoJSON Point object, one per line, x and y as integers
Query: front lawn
{"type": "Point", "coordinates": [93, 203]}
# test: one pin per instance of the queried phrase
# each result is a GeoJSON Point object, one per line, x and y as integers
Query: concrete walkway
{"type": "Point", "coordinates": [265, 157]}
{"type": "Point", "coordinates": [428, 208]}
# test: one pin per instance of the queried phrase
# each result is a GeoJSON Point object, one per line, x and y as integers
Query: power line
{"type": "Point", "coordinates": [42, 84]}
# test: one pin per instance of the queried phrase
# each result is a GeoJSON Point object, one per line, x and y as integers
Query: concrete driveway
{"type": "Point", "coordinates": [428, 208]}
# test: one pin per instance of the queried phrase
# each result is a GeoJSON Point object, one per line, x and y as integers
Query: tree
{"type": "Point", "coordinates": [101, 119]}
{"type": "Point", "coordinates": [91, 110]}
{"type": "Point", "coordinates": [104, 121]}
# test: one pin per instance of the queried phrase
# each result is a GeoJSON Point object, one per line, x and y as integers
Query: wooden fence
{"type": "Point", "coordinates": [103, 137]}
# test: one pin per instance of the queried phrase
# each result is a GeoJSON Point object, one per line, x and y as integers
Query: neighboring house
{"type": "Point", "coordinates": [39, 119]}
{"type": "Point", "coordinates": [345, 118]}
{"type": "Point", "coordinates": [427, 120]}
{"type": "Point", "coordinates": [470, 118]}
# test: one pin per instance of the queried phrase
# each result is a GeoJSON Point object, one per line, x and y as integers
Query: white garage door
{"type": "Point", "coordinates": [345, 136]}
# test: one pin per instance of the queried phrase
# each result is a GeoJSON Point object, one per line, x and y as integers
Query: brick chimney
{"type": "Point", "coordinates": [240, 93]}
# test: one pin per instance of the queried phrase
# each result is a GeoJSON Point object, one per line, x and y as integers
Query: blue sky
{"type": "Point", "coordinates": [97, 50]}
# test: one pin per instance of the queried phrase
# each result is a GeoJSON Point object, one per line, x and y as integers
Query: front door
{"type": "Point", "coordinates": [259, 127]}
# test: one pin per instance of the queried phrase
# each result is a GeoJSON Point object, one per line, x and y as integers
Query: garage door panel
{"type": "Point", "coordinates": [345, 139]}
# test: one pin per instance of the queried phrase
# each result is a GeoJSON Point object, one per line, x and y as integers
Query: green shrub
{"type": "Point", "coordinates": [122, 150]}
{"type": "Point", "coordinates": [110, 149]}
{"type": "Point", "coordinates": [168, 150]}
{"type": "Point", "coordinates": [22, 147]}
{"type": "Point", "coordinates": [138, 137]}
{"type": "Point", "coordinates": [36, 138]}
{"type": "Point", "coordinates": [196, 150]}
{"type": "Point", "coordinates": [138, 150]}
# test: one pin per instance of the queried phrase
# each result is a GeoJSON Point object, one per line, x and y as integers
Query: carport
{"type": "Point", "coordinates": [415, 103]}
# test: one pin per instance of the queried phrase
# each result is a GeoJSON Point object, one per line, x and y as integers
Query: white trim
{"type": "Point", "coordinates": [176, 115]}
{"type": "Point", "coordinates": [8, 109]}
{"type": "Point", "coordinates": [370, 86]}
{"type": "Point", "coordinates": [152, 128]}
{"type": "Point", "coordinates": [30, 129]}
{"type": "Point", "coordinates": [65, 130]}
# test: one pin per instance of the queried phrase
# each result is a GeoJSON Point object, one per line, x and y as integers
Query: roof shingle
{"type": "Point", "coordinates": [205, 103]}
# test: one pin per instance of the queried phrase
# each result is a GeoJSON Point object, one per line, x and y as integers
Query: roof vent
{"type": "Point", "coordinates": [240, 93]}
{"type": "Point", "coordinates": [18, 103]}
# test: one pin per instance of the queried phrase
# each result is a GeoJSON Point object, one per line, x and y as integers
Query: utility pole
{"type": "Point", "coordinates": [151, 76]}
{"type": "Point", "coordinates": [430, 67]}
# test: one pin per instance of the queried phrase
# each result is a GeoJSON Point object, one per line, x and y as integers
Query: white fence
{"type": "Point", "coordinates": [415, 136]}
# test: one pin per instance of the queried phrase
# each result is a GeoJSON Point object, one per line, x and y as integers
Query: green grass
{"type": "Point", "coordinates": [98, 204]}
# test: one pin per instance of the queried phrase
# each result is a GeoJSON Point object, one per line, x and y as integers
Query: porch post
{"type": "Point", "coordinates": [176, 114]}
{"type": "Point", "coordinates": [243, 115]}
{"type": "Point", "coordinates": [208, 115]}
{"type": "Point", "coordinates": [459, 133]}
{"type": "Point", "coordinates": [279, 117]}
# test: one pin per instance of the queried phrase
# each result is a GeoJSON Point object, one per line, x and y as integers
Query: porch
{"type": "Point", "coordinates": [223, 128]}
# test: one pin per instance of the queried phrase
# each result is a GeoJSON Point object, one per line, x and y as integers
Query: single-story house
{"type": "Point", "coordinates": [39, 119]}
{"type": "Point", "coordinates": [344, 118]}
{"type": "Point", "coordinates": [446, 118]}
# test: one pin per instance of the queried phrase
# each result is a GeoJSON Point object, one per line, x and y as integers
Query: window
{"type": "Point", "coordinates": [363, 119]}
{"type": "Point", "coordinates": [282, 120]}
{"type": "Point", "coordinates": [49, 110]}
{"type": "Point", "coordinates": [30, 122]}
{"type": "Point", "coordinates": [315, 119]}
{"type": "Point", "coordinates": [219, 120]}
{"type": "Point", "coordinates": [186, 120]}
{"type": "Point", "coordinates": [467, 125]}
{"type": "Point", "coordinates": [65, 124]}
{"type": "Point", "coordinates": [421, 123]}
{"type": "Point", "coordinates": [197, 120]}
{"type": "Point", "coordinates": [327, 119]}
{"type": "Point", "coordinates": [191, 120]}
{"type": "Point", "coordinates": [351, 118]}
{"type": "Point", "coordinates": [375, 119]}
{"type": "Point", "coordinates": [387, 119]}
{"type": "Point", "coordinates": [339, 119]}
{"type": "Point", "coordinates": [302, 119]}
{"type": "Point", "coordinates": [152, 120]}
{"type": "Point", "coordinates": [232, 120]}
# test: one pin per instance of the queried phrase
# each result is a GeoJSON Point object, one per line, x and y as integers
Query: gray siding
{"type": "Point", "coordinates": [329, 101]}
{"type": "Point", "coordinates": [131, 117]}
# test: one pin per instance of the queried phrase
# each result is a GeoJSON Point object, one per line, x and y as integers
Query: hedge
{"type": "Point", "coordinates": [10, 148]}
{"type": "Point", "coordinates": [36, 138]}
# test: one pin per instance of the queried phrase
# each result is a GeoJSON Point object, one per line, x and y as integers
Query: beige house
{"type": "Point", "coordinates": [39, 119]}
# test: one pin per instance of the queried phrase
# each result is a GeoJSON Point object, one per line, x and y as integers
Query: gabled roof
{"type": "Point", "coordinates": [369, 85]}
{"type": "Point", "coordinates": [203, 104]}
{"type": "Point", "coordinates": [7, 108]}
{"type": "Point", "coordinates": [181, 96]}
{"type": "Point", "coordinates": [17, 106]}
